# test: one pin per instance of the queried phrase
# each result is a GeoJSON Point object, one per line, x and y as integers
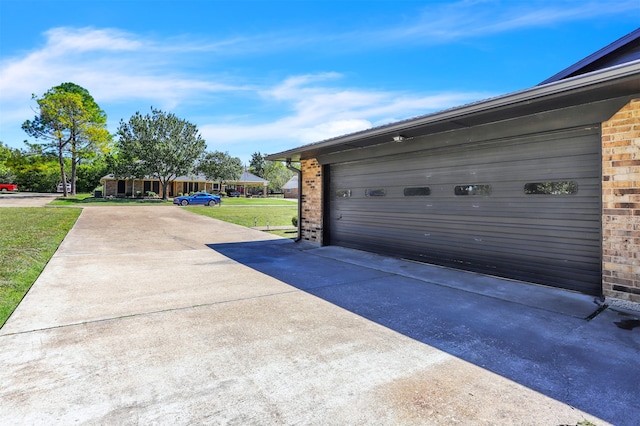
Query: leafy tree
{"type": "Point", "coordinates": [5, 152]}
{"type": "Point", "coordinates": [159, 145]}
{"type": "Point", "coordinates": [220, 166]}
{"type": "Point", "coordinates": [6, 174]}
{"type": "Point", "coordinates": [68, 120]}
{"type": "Point", "coordinates": [277, 174]}
{"type": "Point", "coordinates": [88, 138]}
{"type": "Point", "coordinates": [34, 169]}
{"type": "Point", "coordinates": [257, 164]}
{"type": "Point", "coordinates": [90, 172]}
{"type": "Point", "coordinates": [56, 112]}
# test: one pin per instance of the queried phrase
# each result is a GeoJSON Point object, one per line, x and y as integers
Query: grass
{"type": "Point", "coordinates": [247, 212]}
{"type": "Point", "coordinates": [84, 199]}
{"type": "Point", "coordinates": [251, 212]}
{"type": "Point", "coordinates": [29, 237]}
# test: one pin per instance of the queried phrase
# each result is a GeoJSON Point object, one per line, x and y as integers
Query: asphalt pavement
{"type": "Point", "coordinates": [155, 315]}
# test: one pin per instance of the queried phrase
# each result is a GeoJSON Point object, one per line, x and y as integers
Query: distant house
{"type": "Point", "coordinates": [290, 189]}
{"type": "Point", "coordinates": [248, 185]}
{"type": "Point", "coordinates": [120, 187]}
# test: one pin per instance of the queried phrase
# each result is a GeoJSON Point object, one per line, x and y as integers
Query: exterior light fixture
{"type": "Point", "coordinates": [399, 138]}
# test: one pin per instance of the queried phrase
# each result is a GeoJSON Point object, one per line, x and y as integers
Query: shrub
{"type": "Point", "coordinates": [294, 220]}
{"type": "Point", "coordinates": [151, 194]}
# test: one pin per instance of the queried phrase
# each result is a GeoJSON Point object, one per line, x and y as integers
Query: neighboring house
{"type": "Point", "coordinates": [117, 187]}
{"type": "Point", "coordinates": [290, 189]}
{"type": "Point", "coordinates": [248, 184]}
{"type": "Point", "coordinates": [541, 185]}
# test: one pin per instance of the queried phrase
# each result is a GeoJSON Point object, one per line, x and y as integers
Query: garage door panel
{"type": "Point", "coordinates": [421, 239]}
{"type": "Point", "coordinates": [387, 214]}
{"type": "Point", "coordinates": [556, 272]}
{"type": "Point", "coordinates": [550, 238]}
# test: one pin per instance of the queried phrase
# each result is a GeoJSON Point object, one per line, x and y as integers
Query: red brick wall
{"type": "Point", "coordinates": [311, 201]}
{"type": "Point", "coordinates": [621, 204]}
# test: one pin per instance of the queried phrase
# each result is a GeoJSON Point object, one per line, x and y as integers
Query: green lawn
{"type": "Point", "coordinates": [250, 212]}
{"type": "Point", "coordinates": [84, 199]}
{"type": "Point", "coordinates": [29, 237]}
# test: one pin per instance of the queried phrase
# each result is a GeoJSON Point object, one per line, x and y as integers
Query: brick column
{"type": "Point", "coordinates": [621, 204]}
{"type": "Point", "coordinates": [311, 201]}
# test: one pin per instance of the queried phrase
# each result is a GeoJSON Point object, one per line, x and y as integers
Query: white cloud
{"type": "Point", "coordinates": [319, 111]}
{"type": "Point", "coordinates": [122, 68]}
{"type": "Point", "coordinates": [467, 19]}
{"type": "Point", "coordinates": [89, 39]}
{"type": "Point", "coordinates": [111, 64]}
{"type": "Point", "coordinates": [331, 129]}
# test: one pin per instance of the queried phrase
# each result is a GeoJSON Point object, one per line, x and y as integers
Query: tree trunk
{"type": "Point", "coordinates": [164, 189]}
{"type": "Point", "coordinates": [73, 176]}
{"type": "Point", "coordinates": [63, 175]}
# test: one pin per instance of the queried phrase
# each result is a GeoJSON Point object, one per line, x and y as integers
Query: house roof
{"type": "Point", "coordinates": [190, 178]}
{"type": "Point", "coordinates": [625, 49]}
{"type": "Point", "coordinates": [291, 183]}
{"type": "Point", "coordinates": [246, 178]}
{"type": "Point", "coordinates": [600, 84]}
{"type": "Point", "coordinates": [249, 178]}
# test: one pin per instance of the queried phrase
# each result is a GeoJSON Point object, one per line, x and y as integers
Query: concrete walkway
{"type": "Point", "coordinates": [154, 315]}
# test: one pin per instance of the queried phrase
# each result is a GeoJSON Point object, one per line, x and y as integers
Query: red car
{"type": "Point", "coordinates": [6, 187]}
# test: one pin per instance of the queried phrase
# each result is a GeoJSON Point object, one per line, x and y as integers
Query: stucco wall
{"type": "Point", "coordinates": [311, 201]}
{"type": "Point", "coordinates": [621, 204]}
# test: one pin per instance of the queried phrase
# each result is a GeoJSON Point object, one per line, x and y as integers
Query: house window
{"type": "Point", "coordinates": [566, 187]}
{"type": "Point", "coordinates": [146, 186]}
{"type": "Point", "coordinates": [418, 191]}
{"type": "Point", "coordinates": [189, 187]}
{"type": "Point", "coordinates": [473, 190]}
{"type": "Point", "coordinates": [378, 192]}
{"type": "Point", "coordinates": [121, 186]}
{"type": "Point", "coordinates": [343, 193]}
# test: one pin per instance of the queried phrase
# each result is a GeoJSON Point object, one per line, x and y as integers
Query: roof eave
{"type": "Point", "coordinates": [486, 109]}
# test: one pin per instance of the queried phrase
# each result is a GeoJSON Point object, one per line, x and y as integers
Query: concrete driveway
{"type": "Point", "coordinates": [154, 315]}
{"type": "Point", "coordinates": [26, 199]}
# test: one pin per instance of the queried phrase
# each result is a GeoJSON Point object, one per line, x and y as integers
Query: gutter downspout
{"type": "Point", "coordinates": [299, 173]}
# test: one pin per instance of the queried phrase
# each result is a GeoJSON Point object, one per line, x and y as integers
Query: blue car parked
{"type": "Point", "coordinates": [199, 198]}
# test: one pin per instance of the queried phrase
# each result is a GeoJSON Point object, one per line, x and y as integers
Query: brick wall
{"type": "Point", "coordinates": [311, 201]}
{"type": "Point", "coordinates": [621, 204]}
{"type": "Point", "coordinates": [110, 187]}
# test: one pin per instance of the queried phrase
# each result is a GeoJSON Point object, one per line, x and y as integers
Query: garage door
{"type": "Point", "coordinates": [524, 208]}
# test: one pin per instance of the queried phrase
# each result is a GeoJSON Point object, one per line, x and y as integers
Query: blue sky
{"type": "Point", "coordinates": [269, 75]}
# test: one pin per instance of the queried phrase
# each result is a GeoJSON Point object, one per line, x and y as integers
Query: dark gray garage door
{"type": "Point", "coordinates": [524, 208]}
